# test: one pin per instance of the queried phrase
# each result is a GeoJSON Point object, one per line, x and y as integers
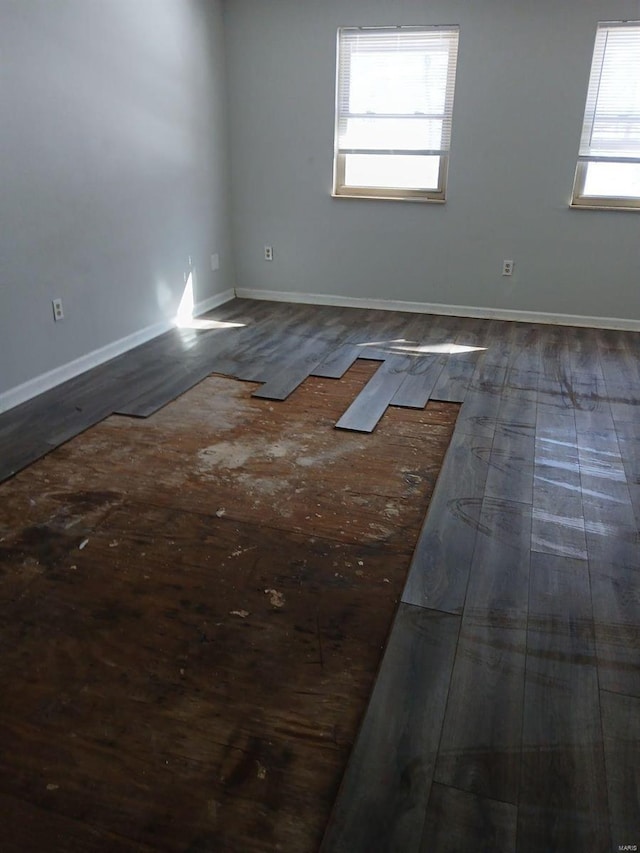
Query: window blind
{"type": "Point", "coordinates": [395, 90]}
{"type": "Point", "coordinates": [611, 130]}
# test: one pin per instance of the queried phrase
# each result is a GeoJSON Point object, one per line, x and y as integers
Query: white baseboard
{"type": "Point", "coordinates": [440, 308]}
{"type": "Point", "coordinates": [46, 381]}
{"type": "Point", "coordinates": [213, 302]}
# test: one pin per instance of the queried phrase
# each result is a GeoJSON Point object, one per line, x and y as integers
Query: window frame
{"type": "Point", "coordinates": [590, 202]}
{"type": "Point", "coordinates": [437, 194]}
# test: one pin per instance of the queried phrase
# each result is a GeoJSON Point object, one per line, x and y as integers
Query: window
{"type": "Point", "coordinates": [394, 102]}
{"type": "Point", "coordinates": [608, 171]}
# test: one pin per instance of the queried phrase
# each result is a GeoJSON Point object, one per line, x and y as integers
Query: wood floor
{"type": "Point", "coordinates": [505, 712]}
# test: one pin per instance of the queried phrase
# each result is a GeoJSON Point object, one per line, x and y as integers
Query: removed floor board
{"type": "Point", "coordinates": [370, 405]}
{"type": "Point", "coordinates": [193, 612]}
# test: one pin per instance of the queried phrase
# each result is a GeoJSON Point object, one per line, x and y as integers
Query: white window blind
{"type": "Point", "coordinates": [395, 89]}
{"type": "Point", "coordinates": [608, 171]}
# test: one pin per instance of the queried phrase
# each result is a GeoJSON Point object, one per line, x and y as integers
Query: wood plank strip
{"type": "Point", "coordinates": [370, 405]}
{"type": "Point", "coordinates": [621, 729]}
{"type": "Point", "coordinates": [499, 338]}
{"type": "Point", "coordinates": [559, 530]}
{"type": "Point", "coordinates": [488, 379]}
{"type": "Point", "coordinates": [511, 466]}
{"type": "Point", "coordinates": [82, 420]}
{"type": "Point", "coordinates": [630, 454]}
{"type": "Point", "coordinates": [519, 411]}
{"type": "Point", "coordinates": [612, 545]}
{"type": "Point", "coordinates": [498, 587]}
{"type": "Point", "coordinates": [173, 384]}
{"type": "Point", "coordinates": [418, 384]}
{"type": "Point", "coordinates": [558, 520]}
{"type": "Point", "coordinates": [265, 363]}
{"type": "Point", "coordinates": [336, 364]}
{"type": "Point", "coordinates": [17, 456]}
{"type": "Point", "coordinates": [605, 487]}
{"type": "Point", "coordinates": [382, 800]}
{"type": "Point", "coordinates": [293, 370]}
{"type": "Point", "coordinates": [563, 799]}
{"type": "Point", "coordinates": [554, 378]}
{"type": "Point", "coordinates": [558, 525]}
{"type": "Point", "coordinates": [455, 377]}
{"type": "Point", "coordinates": [479, 414]}
{"type": "Point", "coordinates": [480, 746]}
{"type": "Point", "coordinates": [616, 613]}
{"type": "Point", "coordinates": [526, 347]}
{"type": "Point", "coordinates": [521, 384]}
{"type": "Point", "coordinates": [441, 562]}
{"type": "Point", "coordinates": [620, 362]}
{"type": "Point", "coordinates": [284, 382]}
{"type": "Point", "coordinates": [458, 821]}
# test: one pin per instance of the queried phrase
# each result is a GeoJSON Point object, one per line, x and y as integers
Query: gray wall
{"type": "Point", "coordinates": [113, 170]}
{"type": "Point", "coordinates": [521, 86]}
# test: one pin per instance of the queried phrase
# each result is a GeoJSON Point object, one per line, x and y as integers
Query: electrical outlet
{"type": "Point", "coordinates": [268, 253]}
{"type": "Point", "coordinates": [58, 313]}
{"type": "Point", "coordinates": [215, 262]}
{"type": "Point", "coordinates": [507, 268]}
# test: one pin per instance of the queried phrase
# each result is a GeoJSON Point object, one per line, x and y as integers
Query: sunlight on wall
{"type": "Point", "coordinates": [184, 319]}
{"type": "Point", "coordinates": [185, 309]}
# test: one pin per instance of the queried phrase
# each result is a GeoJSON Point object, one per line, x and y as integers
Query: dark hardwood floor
{"type": "Point", "coordinates": [506, 711]}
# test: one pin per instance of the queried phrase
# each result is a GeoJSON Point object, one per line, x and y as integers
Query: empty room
{"type": "Point", "coordinates": [319, 426]}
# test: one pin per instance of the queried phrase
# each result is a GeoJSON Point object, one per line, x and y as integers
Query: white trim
{"type": "Point", "coordinates": [46, 381]}
{"type": "Point", "coordinates": [213, 302]}
{"type": "Point", "coordinates": [440, 308]}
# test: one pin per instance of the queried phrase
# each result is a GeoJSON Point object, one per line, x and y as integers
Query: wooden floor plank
{"type": "Point", "coordinates": [441, 563]}
{"type": "Point", "coordinates": [563, 800]}
{"type": "Point", "coordinates": [558, 511]}
{"type": "Point", "coordinates": [19, 454]}
{"type": "Point", "coordinates": [621, 727]}
{"type": "Point", "coordinates": [284, 382]}
{"type": "Point", "coordinates": [479, 413]}
{"type": "Point", "coordinates": [293, 371]}
{"type": "Point", "coordinates": [418, 384]}
{"type": "Point", "coordinates": [381, 804]}
{"type": "Point", "coordinates": [480, 746]}
{"type": "Point", "coordinates": [273, 357]}
{"type": "Point", "coordinates": [498, 588]}
{"type": "Point", "coordinates": [499, 343]}
{"type": "Point", "coordinates": [616, 606]}
{"type": "Point", "coordinates": [457, 821]}
{"type": "Point", "coordinates": [455, 377]}
{"type": "Point", "coordinates": [337, 362]}
{"type": "Point", "coordinates": [620, 362]}
{"type": "Point", "coordinates": [511, 466]}
{"type": "Point", "coordinates": [171, 385]}
{"type": "Point", "coordinates": [370, 405]}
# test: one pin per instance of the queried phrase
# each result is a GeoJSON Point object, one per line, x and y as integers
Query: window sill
{"type": "Point", "coordinates": [620, 208]}
{"type": "Point", "coordinates": [411, 199]}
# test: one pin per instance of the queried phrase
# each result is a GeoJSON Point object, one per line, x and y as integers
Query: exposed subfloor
{"type": "Point", "coordinates": [506, 712]}
{"type": "Point", "coordinates": [194, 607]}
